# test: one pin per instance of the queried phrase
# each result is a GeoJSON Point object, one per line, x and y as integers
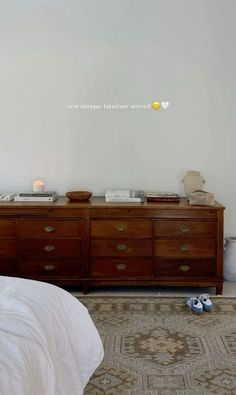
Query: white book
{"type": "Point", "coordinates": [124, 194]}
{"type": "Point", "coordinates": [34, 199]}
{"type": "Point", "coordinates": [124, 199]}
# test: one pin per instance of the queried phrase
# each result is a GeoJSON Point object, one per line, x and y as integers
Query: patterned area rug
{"type": "Point", "coordinates": [157, 346]}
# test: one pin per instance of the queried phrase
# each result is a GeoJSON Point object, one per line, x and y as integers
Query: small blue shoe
{"type": "Point", "coordinates": [194, 304]}
{"type": "Point", "coordinates": [206, 302]}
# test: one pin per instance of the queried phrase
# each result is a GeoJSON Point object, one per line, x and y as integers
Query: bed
{"type": "Point", "coordinates": [48, 342]}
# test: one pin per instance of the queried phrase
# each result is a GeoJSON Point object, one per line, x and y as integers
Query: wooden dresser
{"type": "Point", "coordinates": [97, 243]}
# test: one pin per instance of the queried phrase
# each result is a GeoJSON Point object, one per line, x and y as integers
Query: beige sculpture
{"type": "Point", "coordinates": [192, 181]}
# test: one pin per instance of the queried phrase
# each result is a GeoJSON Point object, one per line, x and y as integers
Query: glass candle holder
{"type": "Point", "coordinates": [38, 185]}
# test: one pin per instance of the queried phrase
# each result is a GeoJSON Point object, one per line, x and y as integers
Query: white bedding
{"type": "Point", "coordinates": [48, 342]}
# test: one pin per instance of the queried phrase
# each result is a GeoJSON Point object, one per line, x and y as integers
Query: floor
{"type": "Point", "coordinates": [229, 289]}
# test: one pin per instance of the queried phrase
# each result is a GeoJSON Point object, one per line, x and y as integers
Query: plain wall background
{"type": "Point", "coordinates": [58, 52]}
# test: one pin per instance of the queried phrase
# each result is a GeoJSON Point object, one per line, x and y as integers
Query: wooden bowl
{"type": "Point", "coordinates": [79, 196]}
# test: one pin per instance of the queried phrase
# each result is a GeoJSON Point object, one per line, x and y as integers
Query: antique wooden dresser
{"type": "Point", "coordinates": [97, 243]}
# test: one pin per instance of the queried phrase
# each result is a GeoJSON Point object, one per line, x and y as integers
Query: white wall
{"type": "Point", "coordinates": [58, 52]}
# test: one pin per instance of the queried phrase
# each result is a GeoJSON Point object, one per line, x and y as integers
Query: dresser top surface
{"type": "Point", "coordinates": [99, 202]}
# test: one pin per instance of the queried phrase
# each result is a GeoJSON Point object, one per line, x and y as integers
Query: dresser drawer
{"type": "Point", "coordinates": [115, 267]}
{"type": "Point", "coordinates": [49, 228]}
{"type": "Point", "coordinates": [121, 248]}
{"type": "Point", "coordinates": [60, 267]}
{"type": "Point", "coordinates": [184, 267]}
{"type": "Point", "coordinates": [53, 248]}
{"type": "Point", "coordinates": [184, 228]}
{"type": "Point", "coordinates": [7, 248]}
{"type": "Point", "coordinates": [121, 228]}
{"type": "Point", "coordinates": [7, 229]}
{"type": "Point", "coordinates": [185, 248]}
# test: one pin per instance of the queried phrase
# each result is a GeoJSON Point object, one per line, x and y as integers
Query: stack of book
{"type": "Point", "coordinates": [41, 196]}
{"type": "Point", "coordinates": [124, 196]}
{"type": "Point", "coordinates": [163, 197]}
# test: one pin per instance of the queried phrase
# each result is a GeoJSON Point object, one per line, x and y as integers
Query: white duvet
{"type": "Point", "coordinates": [48, 342]}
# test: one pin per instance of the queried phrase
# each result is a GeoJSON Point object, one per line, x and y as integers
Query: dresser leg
{"type": "Point", "coordinates": [85, 289]}
{"type": "Point", "coordinates": [219, 289]}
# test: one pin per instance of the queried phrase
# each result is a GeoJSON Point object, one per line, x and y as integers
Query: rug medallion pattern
{"type": "Point", "coordinates": [156, 346]}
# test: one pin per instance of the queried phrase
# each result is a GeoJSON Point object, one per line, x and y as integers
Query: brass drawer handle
{"type": "Point", "coordinates": [121, 247]}
{"type": "Point", "coordinates": [49, 228]}
{"type": "Point", "coordinates": [121, 228]}
{"type": "Point", "coordinates": [184, 229]}
{"type": "Point", "coordinates": [49, 248]}
{"type": "Point", "coordinates": [184, 268]}
{"type": "Point", "coordinates": [49, 267]}
{"type": "Point", "coordinates": [121, 266]}
{"type": "Point", "coordinates": [184, 247]}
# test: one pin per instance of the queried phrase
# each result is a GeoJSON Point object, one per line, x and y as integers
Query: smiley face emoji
{"type": "Point", "coordinates": [155, 105]}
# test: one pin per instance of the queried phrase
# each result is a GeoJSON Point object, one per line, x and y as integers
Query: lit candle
{"type": "Point", "coordinates": [38, 186]}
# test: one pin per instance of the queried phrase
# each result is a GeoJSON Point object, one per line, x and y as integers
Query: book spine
{"type": "Point", "coordinates": [35, 199]}
{"type": "Point", "coordinates": [125, 194]}
{"type": "Point", "coordinates": [175, 200]}
{"type": "Point", "coordinates": [123, 199]}
{"type": "Point", "coordinates": [117, 196]}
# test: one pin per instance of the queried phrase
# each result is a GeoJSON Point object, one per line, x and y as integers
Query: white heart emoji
{"type": "Point", "coordinates": [165, 104]}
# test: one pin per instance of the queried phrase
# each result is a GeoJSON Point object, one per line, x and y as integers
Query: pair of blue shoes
{"type": "Point", "coordinates": [198, 304]}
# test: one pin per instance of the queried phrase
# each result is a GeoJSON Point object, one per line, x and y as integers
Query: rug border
{"type": "Point", "coordinates": [151, 296]}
